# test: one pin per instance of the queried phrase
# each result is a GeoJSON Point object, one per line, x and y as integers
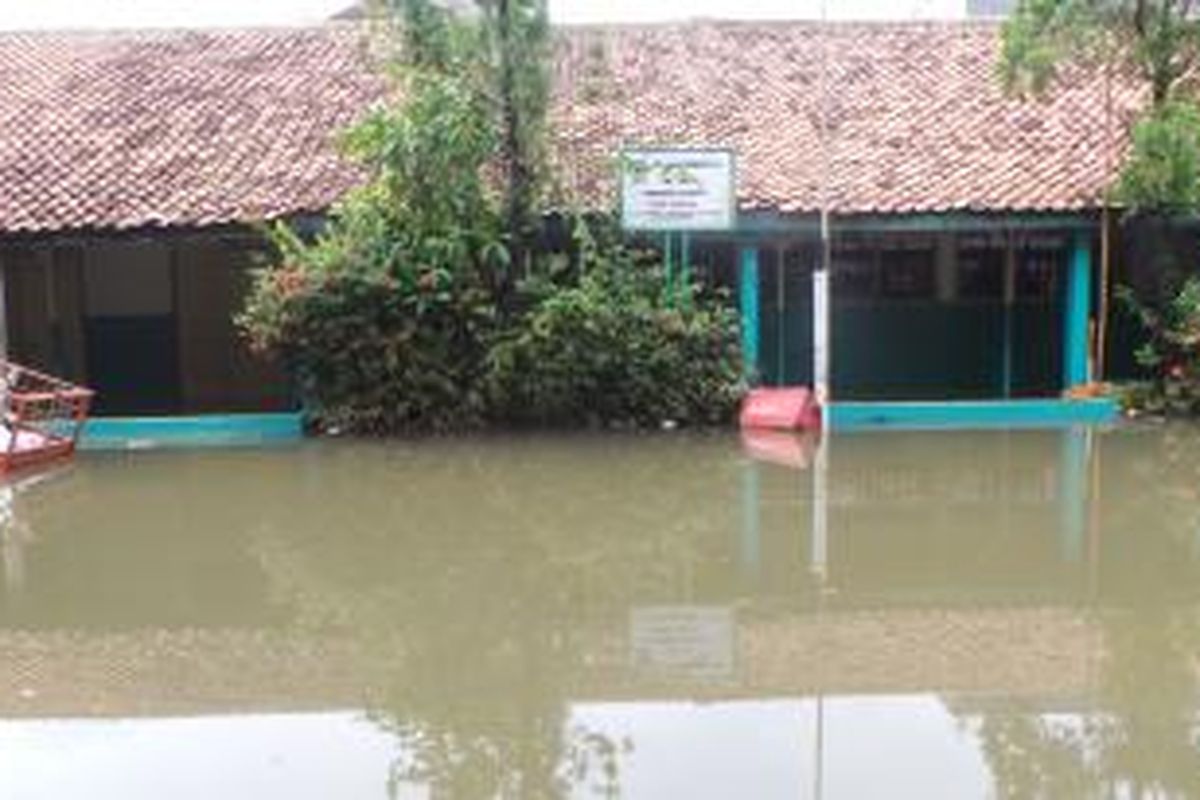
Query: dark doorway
{"type": "Point", "coordinates": [133, 364]}
{"type": "Point", "coordinates": [131, 329]}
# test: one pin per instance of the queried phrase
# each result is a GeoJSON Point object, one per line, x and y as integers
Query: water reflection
{"type": "Point", "coordinates": [1138, 737]}
{"type": "Point", "coordinates": [16, 534]}
{"type": "Point", "coordinates": [15, 537]}
{"type": "Point", "coordinates": [1004, 614]}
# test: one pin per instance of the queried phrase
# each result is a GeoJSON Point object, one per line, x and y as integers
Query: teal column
{"type": "Point", "coordinates": [1077, 312]}
{"type": "Point", "coordinates": [748, 294]}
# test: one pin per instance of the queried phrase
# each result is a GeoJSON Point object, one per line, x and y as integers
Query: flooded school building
{"type": "Point", "coordinates": [966, 225]}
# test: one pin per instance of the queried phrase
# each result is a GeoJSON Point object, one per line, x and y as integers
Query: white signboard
{"type": "Point", "coordinates": [677, 189]}
{"type": "Point", "coordinates": [686, 642]}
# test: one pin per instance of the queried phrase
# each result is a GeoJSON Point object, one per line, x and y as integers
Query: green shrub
{"type": "Point", "coordinates": [373, 354]}
{"type": "Point", "coordinates": [608, 350]}
{"type": "Point", "coordinates": [1171, 352]}
{"type": "Point", "coordinates": [384, 318]}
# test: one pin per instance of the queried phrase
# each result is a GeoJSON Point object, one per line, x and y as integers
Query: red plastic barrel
{"type": "Point", "coordinates": [791, 409]}
{"type": "Point", "coordinates": [794, 449]}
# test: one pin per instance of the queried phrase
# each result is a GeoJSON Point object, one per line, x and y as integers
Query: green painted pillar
{"type": "Point", "coordinates": [748, 294]}
{"type": "Point", "coordinates": [1077, 312]}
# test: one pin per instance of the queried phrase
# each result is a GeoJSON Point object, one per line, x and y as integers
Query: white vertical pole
{"type": "Point", "coordinates": [820, 284]}
{"type": "Point", "coordinates": [821, 293]}
{"type": "Point", "coordinates": [819, 544]}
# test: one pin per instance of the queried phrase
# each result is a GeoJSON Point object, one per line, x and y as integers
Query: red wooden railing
{"type": "Point", "coordinates": [42, 415]}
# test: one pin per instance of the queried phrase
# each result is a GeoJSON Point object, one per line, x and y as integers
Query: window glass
{"type": "Point", "coordinates": [855, 273]}
{"type": "Point", "coordinates": [909, 273]}
{"type": "Point", "coordinates": [981, 273]}
{"type": "Point", "coordinates": [1036, 271]}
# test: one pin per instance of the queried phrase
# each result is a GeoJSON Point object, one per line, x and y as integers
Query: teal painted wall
{"type": "Point", "coordinates": [217, 430]}
{"type": "Point", "coordinates": [786, 345]}
{"type": "Point", "coordinates": [915, 350]}
{"type": "Point", "coordinates": [887, 346]}
{"type": "Point", "coordinates": [848, 415]}
{"type": "Point", "coordinates": [1037, 351]}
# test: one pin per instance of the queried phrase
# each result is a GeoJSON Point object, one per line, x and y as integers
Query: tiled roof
{"type": "Point", "coordinates": [917, 117]}
{"type": "Point", "coordinates": [189, 128]}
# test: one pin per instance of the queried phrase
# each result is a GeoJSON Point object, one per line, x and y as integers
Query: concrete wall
{"type": "Point", "coordinates": [130, 334]}
{"type": "Point", "coordinates": [128, 278]}
{"type": "Point", "coordinates": [67, 269]}
{"type": "Point", "coordinates": [43, 302]}
{"type": "Point", "coordinates": [26, 305]}
{"type": "Point", "coordinates": [63, 295]}
{"type": "Point", "coordinates": [218, 370]}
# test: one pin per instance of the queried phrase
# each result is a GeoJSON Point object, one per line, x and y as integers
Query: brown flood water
{"type": "Point", "coordinates": [954, 616]}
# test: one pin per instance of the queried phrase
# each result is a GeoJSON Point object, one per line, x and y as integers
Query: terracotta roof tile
{"type": "Point", "coordinates": [918, 119]}
{"type": "Point", "coordinates": [175, 128]}
{"type": "Point", "coordinates": [189, 128]}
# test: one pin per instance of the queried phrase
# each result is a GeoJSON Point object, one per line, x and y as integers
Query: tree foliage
{"type": "Point", "coordinates": [1160, 39]}
{"type": "Point", "coordinates": [382, 315]}
{"type": "Point", "coordinates": [406, 313]}
{"type": "Point", "coordinates": [1162, 172]}
{"type": "Point", "coordinates": [1156, 39]}
{"type": "Point", "coordinates": [518, 35]}
{"type": "Point", "coordinates": [509, 59]}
